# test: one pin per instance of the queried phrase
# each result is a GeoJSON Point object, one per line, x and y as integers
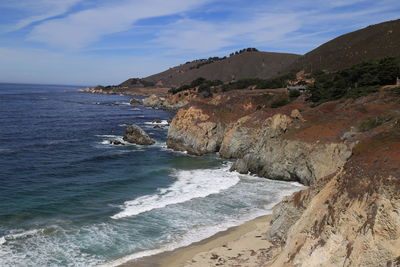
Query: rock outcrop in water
{"type": "Point", "coordinates": [350, 214]}
{"type": "Point", "coordinates": [136, 135]}
{"type": "Point", "coordinates": [135, 102]}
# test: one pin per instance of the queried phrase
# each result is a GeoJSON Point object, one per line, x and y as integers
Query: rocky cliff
{"type": "Point", "coordinates": [347, 151]}
{"type": "Point", "coordinates": [350, 219]}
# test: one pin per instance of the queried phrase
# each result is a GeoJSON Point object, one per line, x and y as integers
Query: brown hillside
{"type": "Point", "coordinates": [245, 65]}
{"type": "Point", "coordinates": [372, 42]}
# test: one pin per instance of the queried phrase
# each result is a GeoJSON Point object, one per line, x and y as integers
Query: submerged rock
{"type": "Point", "coordinates": [116, 143]}
{"type": "Point", "coordinates": [136, 135]}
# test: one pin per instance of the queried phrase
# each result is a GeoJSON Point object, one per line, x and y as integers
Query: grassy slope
{"type": "Point", "coordinates": [245, 65]}
{"type": "Point", "coordinates": [372, 42]}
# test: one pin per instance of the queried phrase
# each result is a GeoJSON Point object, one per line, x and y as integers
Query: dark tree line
{"type": "Point", "coordinates": [358, 80]}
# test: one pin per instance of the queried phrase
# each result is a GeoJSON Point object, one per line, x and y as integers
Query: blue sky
{"type": "Point", "coordinates": [91, 42]}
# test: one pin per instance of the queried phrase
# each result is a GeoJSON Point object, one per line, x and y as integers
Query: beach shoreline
{"type": "Point", "coordinates": [242, 243]}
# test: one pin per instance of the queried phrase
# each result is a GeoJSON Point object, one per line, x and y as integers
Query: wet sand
{"type": "Point", "coordinates": [243, 244]}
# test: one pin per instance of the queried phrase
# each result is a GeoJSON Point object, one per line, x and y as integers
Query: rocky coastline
{"type": "Point", "coordinates": [124, 90]}
{"type": "Point", "coordinates": [350, 214]}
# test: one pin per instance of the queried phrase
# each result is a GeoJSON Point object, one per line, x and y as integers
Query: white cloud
{"type": "Point", "coordinates": [37, 10]}
{"type": "Point", "coordinates": [82, 28]}
{"type": "Point", "coordinates": [295, 28]}
{"type": "Point", "coordinates": [198, 36]}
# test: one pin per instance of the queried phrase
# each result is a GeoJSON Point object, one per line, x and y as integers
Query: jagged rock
{"type": "Point", "coordinates": [135, 102]}
{"type": "Point", "coordinates": [295, 114]}
{"type": "Point", "coordinates": [158, 102]}
{"type": "Point", "coordinates": [154, 101]}
{"type": "Point", "coordinates": [157, 121]}
{"type": "Point", "coordinates": [192, 131]}
{"type": "Point", "coordinates": [261, 150]}
{"type": "Point", "coordinates": [136, 135]}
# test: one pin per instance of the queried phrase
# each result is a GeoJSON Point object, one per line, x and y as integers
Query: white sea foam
{"type": "Point", "coordinates": [20, 235]}
{"type": "Point", "coordinates": [109, 138]}
{"type": "Point", "coordinates": [201, 233]}
{"type": "Point", "coordinates": [189, 185]}
{"type": "Point", "coordinates": [135, 109]}
{"type": "Point", "coordinates": [163, 122]}
{"type": "Point", "coordinates": [193, 236]}
{"type": "Point", "coordinates": [123, 103]}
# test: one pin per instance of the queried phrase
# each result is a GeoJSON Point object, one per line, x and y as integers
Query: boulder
{"type": "Point", "coordinates": [136, 135]}
{"type": "Point", "coordinates": [135, 102]}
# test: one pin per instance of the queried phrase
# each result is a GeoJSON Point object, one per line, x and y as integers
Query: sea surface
{"type": "Point", "coordinates": [69, 198]}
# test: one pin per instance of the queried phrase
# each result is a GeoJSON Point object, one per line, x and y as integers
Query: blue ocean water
{"type": "Point", "coordinates": [69, 198]}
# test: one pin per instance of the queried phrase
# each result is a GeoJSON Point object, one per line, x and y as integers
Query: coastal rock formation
{"type": "Point", "coordinates": [135, 102]}
{"type": "Point", "coordinates": [260, 150]}
{"type": "Point", "coordinates": [135, 135]}
{"type": "Point", "coordinates": [192, 130]}
{"type": "Point", "coordinates": [167, 103]}
{"type": "Point", "coordinates": [350, 214]}
{"type": "Point", "coordinates": [349, 219]}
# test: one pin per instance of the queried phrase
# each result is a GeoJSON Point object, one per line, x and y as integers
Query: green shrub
{"type": "Point", "coordinates": [359, 80]}
{"type": "Point", "coordinates": [279, 103]}
{"type": "Point", "coordinates": [197, 82]}
{"type": "Point", "coordinates": [203, 84]}
{"type": "Point", "coordinates": [294, 93]}
{"type": "Point", "coordinates": [279, 81]}
{"type": "Point", "coordinates": [396, 91]}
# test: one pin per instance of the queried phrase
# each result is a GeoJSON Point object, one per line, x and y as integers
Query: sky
{"type": "Point", "coordinates": [90, 42]}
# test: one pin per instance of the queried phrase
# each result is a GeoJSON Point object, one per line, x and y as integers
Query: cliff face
{"type": "Point", "coordinates": [351, 219]}
{"type": "Point", "coordinates": [258, 139]}
{"type": "Point", "coordinates": [194, 131]}
{"type": "Point", "coordinates": [265, 153]}
{"type": "Point", "coordinates": [350, 214]}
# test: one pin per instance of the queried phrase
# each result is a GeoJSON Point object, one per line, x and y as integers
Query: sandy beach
{"type": "Point", "coordinates": [243, 244]}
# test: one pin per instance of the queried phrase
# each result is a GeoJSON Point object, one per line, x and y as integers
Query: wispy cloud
{"type": "Point", "coordinates": [82, 28]}
{"type": "Point", "coordinates": [188, 35]}
{"type": "Point", "coordinates": [88, 40]}
{"type": "Point", "coordinates": [34, 11]}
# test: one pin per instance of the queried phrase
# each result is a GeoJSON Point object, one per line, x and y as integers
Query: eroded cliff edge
{"type": "Point", "coordinates": [350, 214]}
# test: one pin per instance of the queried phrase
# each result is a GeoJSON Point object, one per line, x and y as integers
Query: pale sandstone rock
{"type": "Point", "coordinates": [192, 131]}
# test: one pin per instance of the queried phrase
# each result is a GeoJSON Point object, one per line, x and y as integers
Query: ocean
{"type": "Point", "coordinates": [69, 198]}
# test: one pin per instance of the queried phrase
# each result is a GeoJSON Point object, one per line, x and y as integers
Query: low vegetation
{"type": "Point", "coordinates": [204, 86]}
{"type": "Point", "coordinates": [294, 93]}
{"type": "Point", "coordinates": [396, 90]}
{"type": "Point", "coordinates": [250, 49]}
{"type": "Point", "coordinates": [210, 60]}
{"type": "Point", "coordinates": [279, 102]}
{"type": "Point", "coordinates": [279, 81]}
{"type": "Point", "coordinates": [204, 62]}
{"type": "Point", "coordinates": [374, 122]}
{"type": "Point", "coordinates": [359, 80]}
